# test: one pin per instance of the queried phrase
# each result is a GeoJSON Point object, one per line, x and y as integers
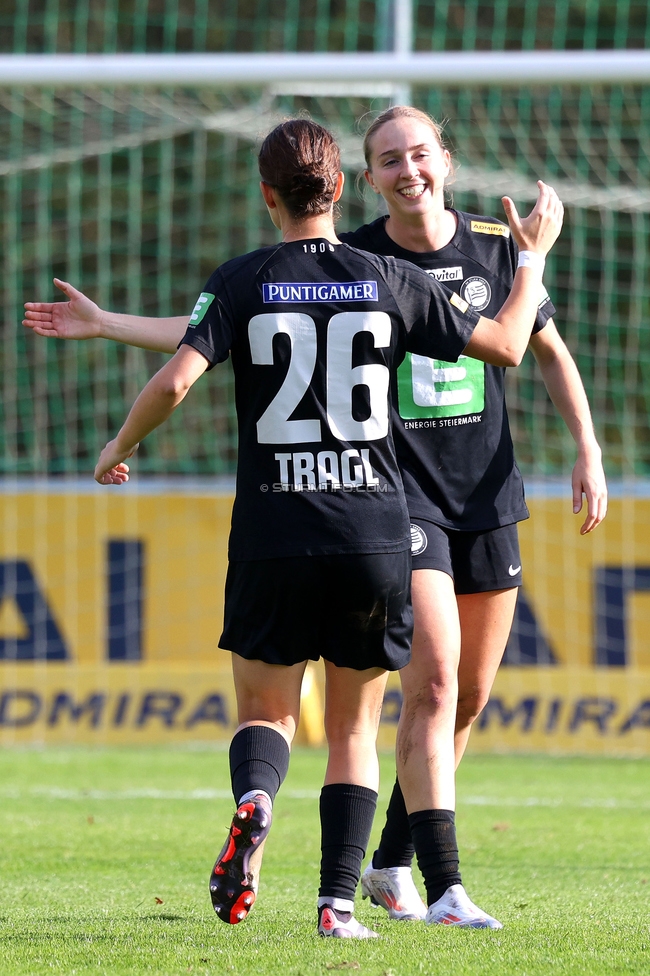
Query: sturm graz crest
{"type": "Point", "coordinates": [419, 541]}
{"type": "Point", "coordinates": [477, 292]}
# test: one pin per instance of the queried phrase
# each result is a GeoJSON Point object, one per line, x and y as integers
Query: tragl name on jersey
{"type": "Point", "coordinates": [316, 331]}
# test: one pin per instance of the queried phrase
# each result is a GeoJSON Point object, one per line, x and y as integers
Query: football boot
{"type": "Point", "coordinates": [235, 876]}
{"type": "Point", "coordinates": [394, 890]}
{"type": "Point", "coordinates": [335, 924]}
{"type": "Point", "coordinates": [455, 908]}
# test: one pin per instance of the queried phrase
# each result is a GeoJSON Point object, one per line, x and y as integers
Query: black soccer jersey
{"type": "Point", "coordinates": [315, 331]}
{"type": "Point", "coordinates": [450, 421]}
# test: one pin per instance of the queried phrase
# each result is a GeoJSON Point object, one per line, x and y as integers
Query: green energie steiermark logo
{"type": "Point", "coordinates": [203, 303]}
{"type": "Point", "coordinates": [433, 388]}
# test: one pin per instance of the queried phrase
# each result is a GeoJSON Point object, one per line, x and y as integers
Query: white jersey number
{"type": "Point", "coordinates": [274, 426]}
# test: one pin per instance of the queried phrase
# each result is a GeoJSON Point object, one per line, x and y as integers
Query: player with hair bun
{"type": "Point", "coordinates": [319, 551]}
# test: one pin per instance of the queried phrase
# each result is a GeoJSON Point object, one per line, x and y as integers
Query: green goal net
{"type": "Point", "coordinates": [135, 195]}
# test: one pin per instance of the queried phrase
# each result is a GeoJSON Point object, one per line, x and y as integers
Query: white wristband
{"type": "Point", "coordinates": [531, 259]}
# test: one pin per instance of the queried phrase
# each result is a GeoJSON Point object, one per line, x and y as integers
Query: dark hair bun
{"type": "Point", "coordinates": [302, 161]}
{"type": "Point", "coordinates": [309, 183]}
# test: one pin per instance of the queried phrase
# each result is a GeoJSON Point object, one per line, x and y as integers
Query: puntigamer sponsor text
{"type": "Point", "coordinates": [350, 291]}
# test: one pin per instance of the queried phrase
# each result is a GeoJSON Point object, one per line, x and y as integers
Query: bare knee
{"type": "Point", "coordinates": [340, 730]}
{"type": "Point", "coordinates": [429, 694]}
{"type": "Point", "coordinates": [470, 705]}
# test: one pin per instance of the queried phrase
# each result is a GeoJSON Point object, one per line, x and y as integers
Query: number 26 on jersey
{"type": "Point", "coordinates": [274, 426]}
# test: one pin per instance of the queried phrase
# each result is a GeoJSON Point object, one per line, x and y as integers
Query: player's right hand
{"type": "Point", "coordinates": [110, 468]}
{"type": "Point", "coordinates": [78, 318]}
{"type": "Point", "coordinates": [541, 228]}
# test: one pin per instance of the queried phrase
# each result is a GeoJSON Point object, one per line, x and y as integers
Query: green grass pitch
{"type": "Point", "coordinates": [105, 857]}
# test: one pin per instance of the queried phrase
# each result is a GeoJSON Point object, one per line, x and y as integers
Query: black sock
{"type": "Point", "coordinates": [395, 847]}
{"type": "Point", "coordinates": [259, 760]}
{"type": "Point", "coordinates": [346, 814]}
{"type": "Point", "coordinates": [434, 837]}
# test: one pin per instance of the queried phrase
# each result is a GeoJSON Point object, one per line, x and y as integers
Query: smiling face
{"type": "Point", "coordinates": [408, 167]}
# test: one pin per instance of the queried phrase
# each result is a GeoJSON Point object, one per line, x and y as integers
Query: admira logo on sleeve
{"type": "Point", "coordinates": [482, 227]}
{"type": "Point", "coordinates": [295, 292]}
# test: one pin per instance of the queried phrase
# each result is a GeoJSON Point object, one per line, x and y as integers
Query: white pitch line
{"type": "Point", "coordinates": [604, 803]}
{"type": "Point", "coordinates": [57, 793]}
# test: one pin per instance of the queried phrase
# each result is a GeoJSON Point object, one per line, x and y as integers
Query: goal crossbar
{"type": "Point", "coordinates": [444, 68]}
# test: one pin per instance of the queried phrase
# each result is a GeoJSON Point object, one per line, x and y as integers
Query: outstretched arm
{"type": "Point", "coordinates": [562, 380]}
{"type": "Point", "coordinates": [81, 318]}
{"type": "Point", "coordinates": [504, 339]}
{"type": "Point", "coordinates": [156, 403]}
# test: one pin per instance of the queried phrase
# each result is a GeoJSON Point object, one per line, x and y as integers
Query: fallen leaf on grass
{"type": "Point", "coordinates": [91, 820]}
{"type": "Point", "coordinates": [159, 901]}
{"type": "Point", "coordinates": [501, 826]}
{"type": "Point", "coordinates": [343, 965]}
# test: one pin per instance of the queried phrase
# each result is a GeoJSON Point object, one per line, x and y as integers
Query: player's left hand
{"type": "Point", "coordinates": [588, 479]}
{"type": "Point", "coordinates": [541, 228]}
{"type": "Point", "coordinates": [110, 468]}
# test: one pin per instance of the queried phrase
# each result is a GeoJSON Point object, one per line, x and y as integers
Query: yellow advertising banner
{"type": "Point", "coordinates": [122, 704]}
{"type": "Point", "coordinates": [111, 610]}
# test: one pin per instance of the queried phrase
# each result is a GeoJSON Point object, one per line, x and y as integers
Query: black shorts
{"type": "Point", "coordinates": [353, 610]}
{"type": "Point", "coordinates": [476, 561]}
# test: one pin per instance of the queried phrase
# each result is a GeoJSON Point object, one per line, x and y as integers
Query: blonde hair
{"type": "Point", "coordinates": [400, 112]}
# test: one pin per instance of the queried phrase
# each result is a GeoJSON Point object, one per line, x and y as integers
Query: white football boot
{"type": "Point", "coordinates": [455, 908]}
{"type": "Point", "coordinates": [339, 923]}
{"type": "Point", "coordinates": [394, 890]}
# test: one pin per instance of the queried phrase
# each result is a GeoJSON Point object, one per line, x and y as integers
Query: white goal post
{"type": "Point", "coordinates": [399, 68]}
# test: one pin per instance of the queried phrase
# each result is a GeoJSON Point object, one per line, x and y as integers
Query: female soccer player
{"type": "Point", "coordinates": [319, 549]}
{"type": "Point", "coordinates": [465, 496]}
